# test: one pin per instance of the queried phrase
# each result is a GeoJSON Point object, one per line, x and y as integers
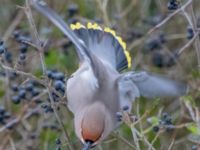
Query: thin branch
{"type": "Point", "coordinates": [36, 35]}
{"type": "Point", "coordinates": [12, 144]}
{"type": "Point", "coordinates": [103, 9]}
{"type": "Point", "coordinates": [123, 140]}
{"type": "Point", "coordinates": [13, 25]}
{"type": "Point", "coordinates": [59, 121]}
{"type": "Point", "coordinates": [188, 43]}
{"type": "Point", "coordinates": [169, 17]}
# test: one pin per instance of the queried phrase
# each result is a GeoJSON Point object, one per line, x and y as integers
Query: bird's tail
{"type": "Point", "coordinates": [104, 43]}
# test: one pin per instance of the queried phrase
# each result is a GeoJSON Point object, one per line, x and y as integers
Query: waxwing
{"type": "Point", "coordinates": [97, 90]}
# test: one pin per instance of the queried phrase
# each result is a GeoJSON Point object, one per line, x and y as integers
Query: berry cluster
{"type": "Point", "coordinates": [25, 91]}
{"type": "Point", "coordinates": [5, 53]}
{"type": "Point", "coordinates": [155, 43]}
{"type": "Point", "coordinates": [160, 59]}
{"type": "Point", "coordinates": [165, 122]}
{"type": "Point", "coordinates": [58, 81]}
{"type": "Point", "coordinates": [22, 40]}
{"type": "Point", "coordinates": [47, 108]}
{"type": "Point", "coordinates": [173, 4]}
{"type": "Point", "coordinates": [4, 115]}
{"type": "Point", "coordinates": [72, 10]}
{"type": "Point", "coordinates": [58, 144]}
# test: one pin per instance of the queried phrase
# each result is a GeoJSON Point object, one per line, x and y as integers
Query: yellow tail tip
{"type": "Point", "coordinates": [95, 26]}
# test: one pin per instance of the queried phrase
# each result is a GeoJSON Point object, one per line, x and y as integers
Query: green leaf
{"type": "Point", "coordinates": [193, 128]}
{"type": "Point", "coordinates": [153, 120]}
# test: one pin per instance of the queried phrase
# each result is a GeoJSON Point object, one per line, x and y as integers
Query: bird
{"type": "Point", "coordinates": [99, 88]}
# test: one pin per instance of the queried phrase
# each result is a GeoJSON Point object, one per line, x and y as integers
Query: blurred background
{"type": "Point", "coordinates": [162, 37]}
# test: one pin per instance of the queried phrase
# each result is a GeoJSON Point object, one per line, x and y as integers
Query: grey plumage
{"type": "Point", "coordinates": [97, 91]}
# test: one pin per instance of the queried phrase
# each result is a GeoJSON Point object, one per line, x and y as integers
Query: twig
{"type": "Point", "coordinates": [197, 40]}
{"type": "Point", "coordinates": [171, 145]}
{"type": "Point", "coordinates": [103, 7]}
{"type": "Point", "coordinates": [13, 25]}
{"type": "Point", "coordinates": [32, 24]}
{"type": "Point", "coordinates": [135, 138]}
{"type": "Point", "coordinates": [59, 120]}
{"type": "Point", "coordinates": [34, 31]}
{"type": "Point", "coordinates": [169, 17]}
{"type": "Point", "coordinates": [4, 143]}
{"type": "Point", "coordinates": [12, 143]}
{"type": "Point", "coordinates": [123, 140]}
{"type": "Point", "coordinates": [128, 8]}
{"type": "Point", "coordinates": [188, 43]}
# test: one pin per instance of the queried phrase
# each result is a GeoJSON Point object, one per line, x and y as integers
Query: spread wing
{"type": "Point", "coordinates": [81, 48]}
{"type": "Point", "coordinates": [153, 85]}
{"type": "Point", "coordinates": [134, 84]}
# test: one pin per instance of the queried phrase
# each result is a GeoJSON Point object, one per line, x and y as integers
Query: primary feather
{"type": "Point", "coordinates": [104, 44]}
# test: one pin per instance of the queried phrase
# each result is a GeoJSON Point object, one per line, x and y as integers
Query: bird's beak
{"type": "Point", "coordinates": [87, 145]}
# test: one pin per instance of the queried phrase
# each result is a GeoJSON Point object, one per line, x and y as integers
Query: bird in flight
{"type": "Point", "coordinates": [97, 90]}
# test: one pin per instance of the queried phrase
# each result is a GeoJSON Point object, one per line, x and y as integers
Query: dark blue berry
{"type": "Point", "coordinates": [16, 99]}
{"type": "Point", "coordinates": [165, 115]}
{"type": "Point", "coordinates": [14, 87]}
{"type": "Point", "coordinates": [8, 56]}
{"type": "Point", "coordinates": [49, 109]}
{"type": "Point", "coordinates": [152, 44]}
{"type": "Point", "coordinates": [58, 76]}
{"type": "Point", "coordinates": [23, 48]}
{"type": "Point", "coordinates": [119, 116]}
{"type": "Point", "coordinates": [58, 141]}
{"type": "Point", "coordinates": [156, 128]}
{"type": "Point", "coordinates": [158, 59]}
{"type": "Point", "coordinates": [12, 75]}
{"type": "Point", "coordinates": [125, 108]}
{"type": "Point", "coordinates": [190, 33]}
{"type": "Point", "coordinates": [44, 106]}
{"type": "Point", "coordinates": [2, 47]}
{"type": "Point", "coordinates": [29, 87]}
{"type": "Point", "coordinates": [59, 85]}
{"type": "Point", "coordinates": [16, 34]}
{"type": "Point", "coordinates": [170, 61]}
{"type": "Point", "coordinates": [22, 93]}
{"type": "Point", "coordinates": [168, 121]}
{"type": "Point", "coordinates": [72, 9]}
{"type": "Point", "coordinates": [35, 92]}
{"type": "Point", "coordinates": [162, 38]}
{"type": "Point", "coordinates": [49, 74]}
